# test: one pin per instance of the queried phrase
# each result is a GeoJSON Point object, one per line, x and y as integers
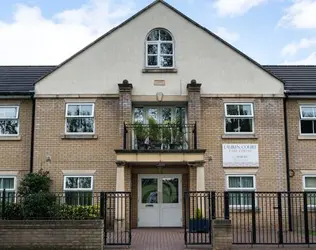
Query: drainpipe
{"type": "Point", "coordinates": [32, 134]}
{"type": "Point", "coordinates": [287, 161]}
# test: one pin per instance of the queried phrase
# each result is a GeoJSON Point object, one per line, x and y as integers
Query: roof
{"type": "Point", "coordinates": [177, 12]}
{"type": "Point", "coordinates": [297, 78]}
{"type": "Point", "coordinates": [21, 79]}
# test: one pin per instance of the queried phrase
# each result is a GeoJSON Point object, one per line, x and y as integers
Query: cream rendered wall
{"type": "Point", "coordinates": [121, 55]}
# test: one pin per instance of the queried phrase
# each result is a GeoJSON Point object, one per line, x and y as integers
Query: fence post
{"type": "Point", "coordinates": [253, 211]}
{"type": "Point", "coordinates": [186, 195]}
{"type": "Point", "coordinates": [213, 203]}
{"type": "Point", "coordinates": [3, 204]}
{"type": "Point", "coordinates": [226, 205]}
{"type": "Point", "coordinates": [280, 217]}
{"type": "Point", "coordinates": [306, 218]}
{"type": "Point", "coordinates": [102, 200]}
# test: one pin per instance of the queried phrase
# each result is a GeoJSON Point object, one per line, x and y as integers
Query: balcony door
{"type": "Point", "coordinates": [159, 201]}
{"type": "Point", "coordinates": [160, 127]}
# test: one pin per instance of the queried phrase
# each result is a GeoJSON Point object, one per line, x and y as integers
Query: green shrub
{"type": "Point", "coordinates": [13, 211]}
{"type": "Point", "coordinates": [68, 212]}
{"type": "Point", "coordinates": [34, 183]}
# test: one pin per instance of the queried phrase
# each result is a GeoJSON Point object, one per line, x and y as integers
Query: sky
{"type": "Point", "coordinates": [47, 32]}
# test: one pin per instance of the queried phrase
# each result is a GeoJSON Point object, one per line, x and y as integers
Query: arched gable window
{"type": "Point", "coordinates": [159, 49]}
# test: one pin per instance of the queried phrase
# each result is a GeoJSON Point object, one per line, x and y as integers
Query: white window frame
{"type": "Point", "coordinates": [158, 43]}
{"type": "Point", "coordinates": [241, 189]}
{"type": "Point", "coordinates": [15, 185]}
{"type": "Point", "coordinates": [307, 118]}
{"type": "Point", "coordinates": [306, 189]}
{"type": "Point", "coordinates": [78, 189]}
{"type": "Point", "coordinates": [16, 118]}
{"type": "Point", "coordinates": [80, 116]}
{"type": "Point", "coordinates": [239, 117]}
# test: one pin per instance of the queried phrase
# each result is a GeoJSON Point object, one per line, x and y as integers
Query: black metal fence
{"type": "Point", "coordinates": [112, 207]}
{"type": "Point", "coordinates": [171, 136]}
{"type": "Point", "coordinates": [257, 217]}
{"type": "Point", "coordinates": [116, 207]}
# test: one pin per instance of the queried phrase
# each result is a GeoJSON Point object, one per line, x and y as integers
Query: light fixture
{"type": "Point", "coordinates": [159, 96]}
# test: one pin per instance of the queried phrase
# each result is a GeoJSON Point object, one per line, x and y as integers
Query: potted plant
{"type": "Point", "coordinates": [141, 133]}
{"type": "Point", "coordinates": [199, 224]}
{"type": "Point", "coordinates": [154, 133]}
{"type": "Point", "coordinates": [178, 136]}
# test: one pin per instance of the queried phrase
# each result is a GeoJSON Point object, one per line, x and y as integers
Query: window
{"type": "Point", "coordinates": [308, 119]}
{"type": "Point", "coordinates": [78, 190]}
{"type": "Point", "coordinates": [240, 183]}
{"type": "Point", "coordinates": [309, 184]}
{"type": "Point", "coordinates": [9, 120]}
{"type": "Point", "coordinates": [159, 49]}
{"type": "Point", "coordinates": [80, 118]}
{"type": "Point", "coordinates": [8, 183]}
{"type": "Point", "coordinates": [239, 118]}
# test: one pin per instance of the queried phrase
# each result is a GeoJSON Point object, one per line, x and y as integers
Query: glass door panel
{"type": "Point", "coordinates": [170, 190]}
{"type": "Point", "coordinates": [149, 190]}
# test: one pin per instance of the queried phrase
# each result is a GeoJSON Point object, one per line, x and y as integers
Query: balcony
{"type": "Point", "coordinates": [167, 144]}
{"type": "Point", "coordinates": [156, 137]}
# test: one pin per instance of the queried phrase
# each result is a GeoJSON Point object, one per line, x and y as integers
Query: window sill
{"type": "Point", "coordinates": [79, 137]}
{"type": "Point", "coordinates": [10, 138]}
{"type": "Point", "coordinates": [306, 137]}
{"type": "Point", "coordinates": [232, 136]}
{"type": "Point", "coordinates": [159, 70]}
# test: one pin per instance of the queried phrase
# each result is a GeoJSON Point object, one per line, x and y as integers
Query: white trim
{"type": "Point", "coordinates": [313, 119]}
{"type": "Point", "coordinates": [252, 116]}
{"type": "Point", "coordinates": [78, 189]}
{"type": "Point", "coordinates": [306, 188]}
{"type": "Point", "coordinates": [80, 116]}
{"type": "Point", "coordinates": [17, 117]}
{"type": "Point", "coordinates": [14, 182]}
{"type": "Point", "coordinates": [158, 55]}
{"type": "Point", "coordinates": [241, 175]}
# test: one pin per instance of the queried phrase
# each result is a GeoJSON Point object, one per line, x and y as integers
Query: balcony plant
{"type": "Point", "coordinates": [166, 135]}
{"type": "Point", "coordinates": [141, 135]}
{"type": "Point", "coordinates": [199, 224]}
{"type": "Point", "coordinates": [154, 132]}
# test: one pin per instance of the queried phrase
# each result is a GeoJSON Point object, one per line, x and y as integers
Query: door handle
{"type": "Point", "coordinates": [149, 205]}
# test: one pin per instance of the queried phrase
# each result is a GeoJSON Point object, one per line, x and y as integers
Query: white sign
{"type": "Point", "coordinates": [240, 155]}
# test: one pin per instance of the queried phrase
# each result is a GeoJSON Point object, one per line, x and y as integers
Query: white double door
{"type": "Point", "coordinates": [160, 200]}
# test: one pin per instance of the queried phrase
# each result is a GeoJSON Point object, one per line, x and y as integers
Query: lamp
{"type": "Point", "coordinates": [159, 96]}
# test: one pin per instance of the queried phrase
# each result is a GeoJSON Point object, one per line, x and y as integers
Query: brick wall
{"type": "Point", "coordinates": [78, 154]}
{"type": "Point", "coordinates": [269, 132]}
{"type": "Point", "coordinates": [51, 234]}
{"type": "Point", "coordinates": [15, 151]}
{"type": "Point", "coordinates": [301, 151]}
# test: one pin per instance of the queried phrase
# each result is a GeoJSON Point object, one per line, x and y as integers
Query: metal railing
{"type": "Point", "coordinates": [160, 136]}
{"type": "Point", "coordinates": [256, 217]}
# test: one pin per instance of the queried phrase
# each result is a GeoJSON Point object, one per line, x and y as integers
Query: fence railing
{"type": "Point", "coordinates": [160, 136]}
{"type": "Point", "coordinates": [256, 217]}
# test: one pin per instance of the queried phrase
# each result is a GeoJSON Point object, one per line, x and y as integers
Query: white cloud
{"type": "Point", "coordinates": [235, 7]}
{"type": "Point", "coordinates": [301, 14]}
{"type": "Point", "coordinates": [227, 35]}
{"type": "Point", "coordinates": [310, 60]}
{"type": "Point", "coordinates": [33, 39]}
{"type": "Point", "coordinates": [292, 48]}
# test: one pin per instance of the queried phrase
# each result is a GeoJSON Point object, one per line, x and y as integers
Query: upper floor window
{"type": "Point", "coordinates": [159, 49]}
{"type": "Point", "coordinates": [80, 118]}
{"type": "Point", "coordinates": [308, 119]}
{"type": "Point", "coordinates": [9, 120]}
{"type": "Point", "coordinates": [239, 118]}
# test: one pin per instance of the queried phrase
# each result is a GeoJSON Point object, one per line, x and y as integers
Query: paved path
{"type": "Point", "coordinates": [172, 239]}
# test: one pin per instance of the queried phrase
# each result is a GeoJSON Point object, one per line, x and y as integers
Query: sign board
{"type": "Point", "coordinates": [240, 155]}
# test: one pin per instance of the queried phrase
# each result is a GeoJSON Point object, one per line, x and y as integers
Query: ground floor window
{"type": "Point", "coordinates": [8, 184]}
{"type": "Point", "coordinates": [241, 187]}
{"type": "Point", "coordinates": [309, 184]}
{"type": "Point", "coordinates": [78, 190]}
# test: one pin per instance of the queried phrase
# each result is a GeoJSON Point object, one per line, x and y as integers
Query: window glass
{"type": "Point", "coordinates": [239, 118]}
{"type": "Point", "coordinates": [79, 118]}
{"type": "Point", "coordinates": [9, 123]}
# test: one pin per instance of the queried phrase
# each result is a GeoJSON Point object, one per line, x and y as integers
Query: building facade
{"type": "Point", "coordinates": [159, 106]}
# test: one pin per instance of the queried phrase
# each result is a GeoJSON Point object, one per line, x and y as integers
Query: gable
{"type": "Point", "coordinates": [121, 55]}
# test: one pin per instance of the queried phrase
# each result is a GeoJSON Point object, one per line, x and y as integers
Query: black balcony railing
{"type": "Point", "coordinates": [160, 136]}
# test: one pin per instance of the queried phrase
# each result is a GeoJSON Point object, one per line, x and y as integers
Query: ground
{"type": "Point", "coordinates": [172, 239]}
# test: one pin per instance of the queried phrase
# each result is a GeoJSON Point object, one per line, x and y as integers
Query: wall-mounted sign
{"type": "Point", "coordinates": [240, 155]}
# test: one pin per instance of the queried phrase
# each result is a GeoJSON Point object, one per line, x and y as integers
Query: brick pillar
{"type": "Point", "coordinates": [120, 200]}
{"type": "Point", "coordinates": [125, 93]}
{"type": "Point", "coordinates": [222, 238]}
{"type": "Point", "coordinates": [194, 105]}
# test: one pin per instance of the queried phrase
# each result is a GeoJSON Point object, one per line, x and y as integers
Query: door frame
{"type": "Point", "coordinates": [159, 191]}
